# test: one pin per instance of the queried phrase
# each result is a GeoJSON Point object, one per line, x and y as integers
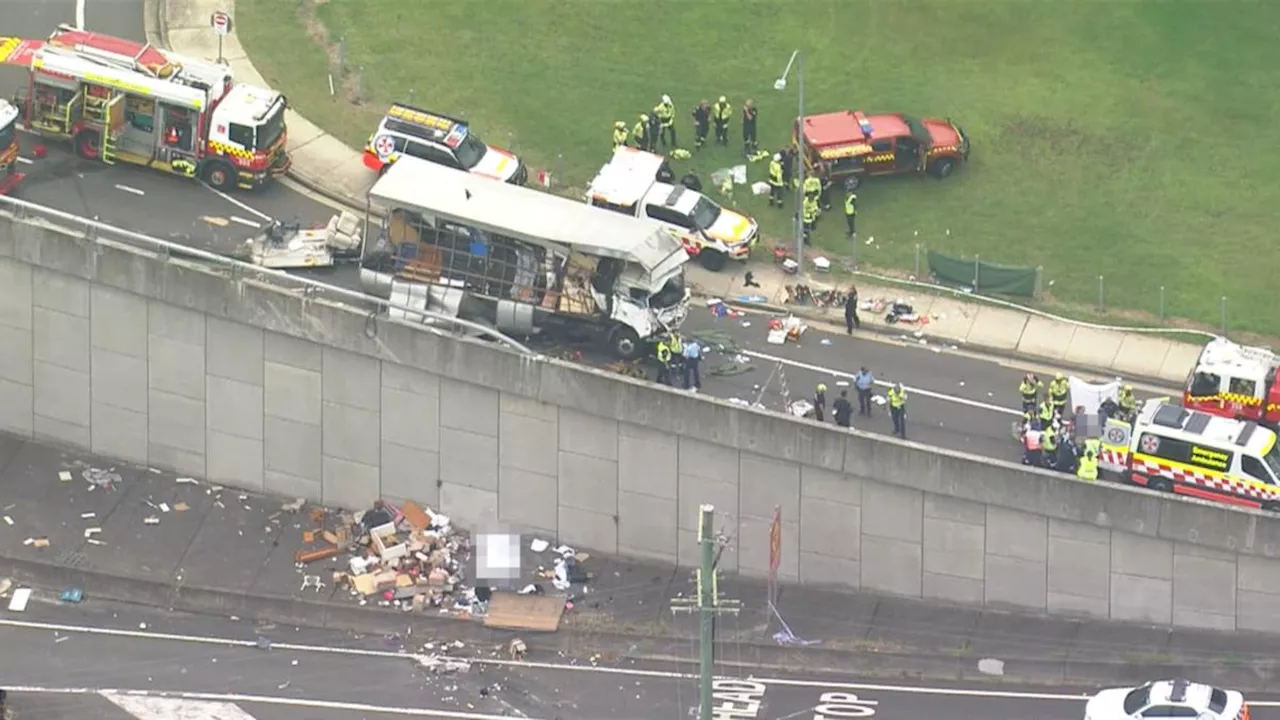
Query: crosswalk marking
{"type": "Point", "coordinates": [146, 707]}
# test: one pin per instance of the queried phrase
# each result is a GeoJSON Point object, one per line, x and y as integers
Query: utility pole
{"type": "Point", "coordinates": [708, 605]}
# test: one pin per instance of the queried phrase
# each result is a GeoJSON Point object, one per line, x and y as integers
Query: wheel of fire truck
{"type": "Point", "coordinates": [88, 144]}
{"type": "Point", "coordinates": [220, 175]}
{"type": "Point", "coordinates": [942, 168]}
{"type": "Point", "coordinates": [625, 343]}
{"type": "Point", "coordinates": [713, 260]}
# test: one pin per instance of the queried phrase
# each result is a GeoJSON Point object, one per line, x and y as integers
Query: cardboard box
{"type": "Point", "coordinates": [387, 544]}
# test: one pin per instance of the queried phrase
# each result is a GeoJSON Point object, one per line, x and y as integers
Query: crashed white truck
{"type": "Point", "coordinates": [520, 260]}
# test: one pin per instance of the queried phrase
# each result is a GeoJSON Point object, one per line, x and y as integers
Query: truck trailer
{"type": "Point", "coordinates": [520, 260]}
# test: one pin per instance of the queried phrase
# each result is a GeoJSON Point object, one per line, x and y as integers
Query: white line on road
{"type": "Point", "coordinates": [259, 699]}
{"type": "Point", "coordinates": [128, 189]}
{"type": "Point", "coordinates": [881, 383]}
{"type": "Point", "coordinates": [600, 670]}
{"type": "Point", "coordinates": [237, 203]}
{"type": "Point", "coordinates": [25, 161]}
{"type": "Point", "coordinates": [80, 14]}
{"type": "Point", "coordinates": [242, 221]}
{"type": "Point", "coordinates": [147, 707]}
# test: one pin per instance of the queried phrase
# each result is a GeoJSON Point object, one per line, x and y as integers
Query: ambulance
{"type": "Point", "coordinates": [9, 175]}
{"type": "Point", "coordinates": [447, 141]}
{"type": "Point", "coordinates": [1235, 381]}
{"type": "Point", "coordinates": [116, 100]}
{"type": "Point", "coordinates": [637, 183]}
{"type": "Point", "coordinates": [1188, 452]}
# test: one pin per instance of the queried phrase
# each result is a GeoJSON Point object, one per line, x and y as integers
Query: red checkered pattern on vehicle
{"type": "Point", "coordinates": [1205, 480]}
{"type": "Point", "coordinates": [1113, 457]}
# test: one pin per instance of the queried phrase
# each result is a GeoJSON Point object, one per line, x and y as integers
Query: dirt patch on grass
{"type": "Point", "coordinates": [346, 80]}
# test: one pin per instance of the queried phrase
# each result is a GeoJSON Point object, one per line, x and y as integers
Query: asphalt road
{"type": "Point", "coordinates": [328, 675]}
{"type": "Point", "coordinates": [956, 401]}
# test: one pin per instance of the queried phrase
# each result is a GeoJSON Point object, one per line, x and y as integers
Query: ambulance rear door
{"type": "Point", "coordinates": [1116, 436]}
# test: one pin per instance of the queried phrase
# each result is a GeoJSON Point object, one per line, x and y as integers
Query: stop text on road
{"type": "Point", "coordinates": [743, 700]}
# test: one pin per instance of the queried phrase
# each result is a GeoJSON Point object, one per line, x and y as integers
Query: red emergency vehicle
{"type": "Point", "coordinates": [117, 100]}
{"type": "Point", "coordinates": [9, 175]}
{"type": "Point", "coordinates": [1235, 381]}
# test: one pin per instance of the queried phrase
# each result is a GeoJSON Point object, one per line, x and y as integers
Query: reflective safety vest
{"type": "Point", "coordinates": [849, 208]}
{"type": "Point", "coordinates": [1088, 469]}
{"type": "Point", "coordinates": [812, 186]}
{"type": "Point", "coordinates": [1126, 400]}
{"type": "Point", "coordinates": [619, 137]}
{"type": "Point", "coordinates": [640, 132]}
{"type": "Point", "coordinates": [1058, 391]}
{"type": "Point", "coordinates": [666, 113]}
{"type": "Point", "coordinates": [1046, 411]}
{"type": "Point", "coordinates": [664, 352]}
{"type": "Point", "coordinates": [897, 398]}
{"type": "Point", "coordinates": [1050, 442]}
{"type": "Point", "coordinates": [676, 346]}
{"type": "Point", "coordinates": [1092, 445]}
{"type": "Point", "coordinates": [810, 210]}
{"type": "Point", "coordinates": [721, 111]}
{"type": "Point", "coordinates": [775, 173]}
{"type": "Point", "coordinates": [1028, 390]}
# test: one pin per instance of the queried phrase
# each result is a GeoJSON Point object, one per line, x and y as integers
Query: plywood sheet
{"type": "Point", "coordinates": [536, 613]}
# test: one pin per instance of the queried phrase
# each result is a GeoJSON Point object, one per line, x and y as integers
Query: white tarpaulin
{"type": "Point", "coordinates": [1090, 396]}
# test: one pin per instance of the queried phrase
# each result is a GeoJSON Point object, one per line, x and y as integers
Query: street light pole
{"type": "Point", "coordinates": [797, 59]}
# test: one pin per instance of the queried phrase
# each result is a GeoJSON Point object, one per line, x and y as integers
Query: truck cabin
{"type": "Point", "coordinates": [1233, 380]}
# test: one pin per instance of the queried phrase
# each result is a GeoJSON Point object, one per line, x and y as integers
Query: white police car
{"type": "Point", "coordinates": [1167, 700]}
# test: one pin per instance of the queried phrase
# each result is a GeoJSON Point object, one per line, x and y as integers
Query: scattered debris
{"type": "Point", "coordinates": [18, 603]}
{"type": "Point", "coordinates": [88, 515]}
{"type": "Point", "coordinates": [5, 585]}
{"type": "Point", "coordinates": [90, 532]}
{"type": "Point", "coordinates": [538, 545]}
{"type": "Point", "coordinates": [153, 520]}
{"type": "Point", "coordinates": [181, 507]}
{"type": "Point", "coordinates": [991, 666]}
{"type": "Point", "coordinates": [64, 476]}
{"type": "Point", "coordinates": [186, 481]}
{"type": "Point", "coordinates": [8, 520]}
{"type": "Point", "coordinates": [72, 595]}
{"type": "Point", "coordinates": [98, 477]}
{"type": "Point", "coordinates": [36, 542]}
{"type": "Point", "coordinates": [517, 649]}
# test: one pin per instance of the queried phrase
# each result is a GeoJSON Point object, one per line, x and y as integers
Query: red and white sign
{"type": "Point", "coordinates": [221, 23]}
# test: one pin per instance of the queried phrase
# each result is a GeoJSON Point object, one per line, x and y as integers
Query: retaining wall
{"type": "Point", "coordinates": [171, 363]}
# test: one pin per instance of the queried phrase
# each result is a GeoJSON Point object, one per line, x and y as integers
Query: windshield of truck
{"type": "Point", "coordinates": [6, 136]}
{"type": "Point", "coordinates": [670, 294]}
{"type": "Point", "coordinates": [271, 128]}
{"type": "Point", "coordinates": [705, 213]}
{"type": "Point", "coordinates": [471, 151]}
{"type": "Point", "coordinates": [1272, 458]}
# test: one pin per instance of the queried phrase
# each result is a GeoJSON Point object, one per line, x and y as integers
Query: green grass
{"type": "Point", "coordinates": [1133, 140]}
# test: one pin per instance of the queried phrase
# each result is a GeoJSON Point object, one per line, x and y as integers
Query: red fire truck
{"type": "Point", "coordinates": [120, 101]}
{"type": "Point", "coordinates": [9, 175]}
{"type": "Point", "coordinates": [1235, 381]}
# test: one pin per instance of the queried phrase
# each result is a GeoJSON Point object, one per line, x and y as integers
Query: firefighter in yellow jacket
{"type": "Point", "coordinates": [666, 112]}
{"type": "Point", "coordinates": [720, 114]}
{"type": "Point", "coordinates": [619, 134]}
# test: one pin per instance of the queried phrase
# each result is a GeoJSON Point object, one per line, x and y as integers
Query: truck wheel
{"type": "Point", "coordinates": [1160, 485]}
{"type": "Point", "coordinates": [88, 144]}
{"type": "Point", "coordinates": [625, 343]}
{"type": "Point", "coordinates": [220, 175]}
{"type": "Point", "coordinates": [942, 168]}
{"type": "Point", "coordinates": [713, 260]}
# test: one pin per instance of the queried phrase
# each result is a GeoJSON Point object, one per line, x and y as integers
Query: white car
{"type": "Point", "coordinates": [1167, 700]}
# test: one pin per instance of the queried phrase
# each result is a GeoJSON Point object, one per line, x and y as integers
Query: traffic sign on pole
{"type": "Point", "coordinates": [221, 24]}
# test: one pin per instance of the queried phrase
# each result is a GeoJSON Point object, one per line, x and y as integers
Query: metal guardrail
{"type": "Point", "coordinates": [238, 270]}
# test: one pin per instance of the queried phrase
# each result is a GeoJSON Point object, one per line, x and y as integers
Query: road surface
{"type": "Point", "coordinates": [79, 662]}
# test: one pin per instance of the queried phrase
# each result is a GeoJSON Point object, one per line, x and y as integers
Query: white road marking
{"type": "Point", "coordinates": [242, 221]}
{"type": "Point", "coordinates": [128, 189]}
{"type": "Point", "coordinates": [600, 670]}
{"type": "Point", "coordinates": [881, 383]}
{"type": "Point", "coordinates": [80, 14]}
{"type": "Point", "coordinates": [25, 161]}
{"type": "Point", "coordinates": [237, 203]}
{"type": "Point", "coordinates": [257, 699]}
{"type": "Point", "coordinates": [145, 707]}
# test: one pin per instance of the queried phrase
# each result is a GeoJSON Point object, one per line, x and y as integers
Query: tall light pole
{"type": "Point", "coordinates": [797, 60]}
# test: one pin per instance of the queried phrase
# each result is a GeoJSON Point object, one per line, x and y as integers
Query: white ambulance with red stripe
{"type": "Point", "coordinates": [1174, 449]}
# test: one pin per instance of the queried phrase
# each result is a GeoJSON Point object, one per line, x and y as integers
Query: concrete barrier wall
{"type": "Point", "coordinates": [168, 363]}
